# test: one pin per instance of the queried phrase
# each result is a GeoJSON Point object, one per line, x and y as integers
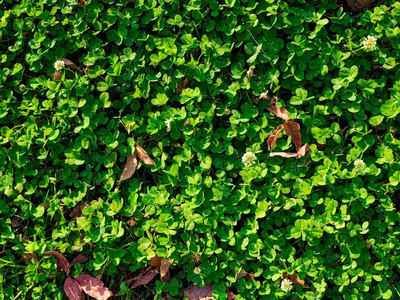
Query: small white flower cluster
{"type": "Point", "coordinates": [197, 270]}
{"type": "Point", "coordinates": [22, 87]}
{"type": "Point", "coordinates": [249, 159]}
{"type": "Point", "coordinates": [286, 285]}
{"type": "Point", "coordinates": [369, 43]}
{"type": "Point", "coordinates": [59, 64]}
{"type": "Point", "coordinates": [168, 123]}
{"type": "Point", "coordinates": [359, 165]}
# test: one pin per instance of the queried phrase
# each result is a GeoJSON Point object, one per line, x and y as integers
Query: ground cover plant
{"type": "Point", "coordinates": [218, 149]}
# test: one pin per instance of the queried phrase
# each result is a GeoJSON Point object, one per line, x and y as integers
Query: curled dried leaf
{"type": "Point", "coordinates": [94, 287]}
{"type": "Point", "coordinates": [80, 259]}
{"type": "Point", "coordinates": [273, 136]}
{"type": "Point", "coordinates": [359, 5]}
{"type": "Point", "coordinates": [27, 257]}
{"type": "Point", "coordinates": [143, 155]}
{"type": "Point", "coordinates": [62, 262]}
{"type": "Point", "coordinates": [303, 150]}
{"type": "Point", "coordinates": [155, 261]}
{"type": "Point", "coordinates": [284, 154]}
{"type": "Point", "coordinates": [141, 279]}
{"type": "Point", "coordinates": [295, 279]}
{"type": "Point", "coordinates": [69, 63]}
{"type": "Point", "coordinates": [130, 167]}
{"type": "Point", "coordinates": [73, 289]}
{"type": "Point", "coordinates": [196, 292]}
{"type": "Point", "coordinates": [293, 129]}
{"type": "Point", "coordinates": [164, 269]}
{"type": "Point", "coordinates": [280, 112]}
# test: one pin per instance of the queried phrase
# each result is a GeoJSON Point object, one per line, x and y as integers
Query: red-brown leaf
{"type": "Point", "coordinates": [164, 269]}
{"type": "Point", "coordinates": [80, 259]}
{"type": "Point", "coordinates": [273, 136]}
{"type": "Point", "coordinates": [280, 112]}
{"type": "Point", "coordinates": [155, 262]}
{"type": "Point", "coordinates": [130, 167]}
{"type": "Point", "coordinates": [295, 279]}
{"type": "Point", "coordinates": [27, 257]}
{"type": "Point", "coordinates": [73, 289]}
{"type": "Point", "coordinates": [196, 292]}
{"type": "Point", "coordinates": [143, 155]}
{"type": "Point", "coordinates": [94, 287]}
{"type": "Point", "coordinates": [293, 129]}
{"type": "Point", "coordinates": [143, 279]}
{"type": "Point", "coordinates": [69, 63]}
{"type": "Point", "coordinates": [62, 262]}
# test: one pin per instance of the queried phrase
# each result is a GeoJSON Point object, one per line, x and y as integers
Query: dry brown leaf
{"type": "Point", "coordinates": [80, 259]}
{"type": "Point", "coordinates": [242, 273]}
{"type": "Point", "coordinates": [295, 279]}
{"type": "Point", "coordinates": [73, 289]}
{"type": "Point", "coordinates": [359, 5]}
{"type": "Point", "coordinates": [196, 292]}
{"type": "Point", "coordinates": [164, 269]}
{"type": "Point", "coordinates": [284, 154]}
{"type": "Point", "coordinates": [155, 261]}
{"type": "Point", "coordinates": [62, 262]}
{"type": "Point", "coordinates": [303, 150]}
{"type": "Point", "coordinates": [77, 211]}
{"type": "Point", "coordinates": [141, 279]}
{"type": "Point", "coordinates": [273, 136]}
{"type": "Point", "coordinates": [293, 129]}
{"type": "Point", "coordinates": [27, 257]}
{"type": "Point", "coordinates": [94, 287]}
{"type": "Point", "coordinates": [143, 155]}
{"type": "Point", "coordinates": [130, 167]}
{"type": "Point", "coordinates": [280, 112]}
{"type": "Point", "coordinates": [250, 73]}
{"type": "Point", "coordinates": [69, 63]}
{"type": "Point", "coordinates": [249, 276]}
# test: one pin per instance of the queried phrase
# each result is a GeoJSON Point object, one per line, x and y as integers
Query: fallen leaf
{"type": "Point", "coordinates": [293, 129]}
{"type": "Point", "coordinates": [80, 259]}
{"type": "Point", "coordinates": [69, 63]}
{"type": "Point", "coordinates": [359, 5]}
{"type": "Point", "coordinates": [130, 167]}
{"type": "Point", "coordinates": [77, 211]}
{"type": "Point", "coordinates": [284, 154]}
{"type": "Point", "coordinates": [155, 261]}
{"type": "Point", "coordinates": [242, 273]}
{"type": "Point", "coordinates": [164, 269]}
{"type": "Point", "coordinates": [249, 276]}
{"type": "Point", "coordinates": [249, 73]}
{"type": "Point", "coordinates": [280, 112]}
{"type": "Point", "coordinates": [143, 155]}
{"type": "Point", "coordinates": [73, 289]}
{"type": "Point", "coordinates": [27, 257]}
{"type": "Point", "coordinates": [295, 279]}
{"type": "Point", "coordinates": [62, 262]}
{"type": "Point", "coordinates": [142, 279]}
{"type": "Point", "coordinates": [273, 136]}
{"type": "Point", "coordinates": [196, 292]}
{"type": "Point", "coordinates": [94, 287]}
{"type": "Point", "coordinates": [303, 150]}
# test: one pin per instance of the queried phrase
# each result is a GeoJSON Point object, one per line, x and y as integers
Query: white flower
{"type": "Point", "coordinates": [359, 165]}
{"type": "Point", "coordinates": [197, 270]}
{"type": "Point", "coordinates": [369, 43]}
{"type": "Point", "coordinates": [168, 123]}
{"type": "Point", "coordinates": [286, 285]}
{"type": "Point", "coordinates": [59, 64]}
{"type": "Point", "coordinates": [249, 159]}
{"type": "Point", "coordinates": [22, 87]}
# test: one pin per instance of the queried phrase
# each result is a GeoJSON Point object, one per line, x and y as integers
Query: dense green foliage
{"type": "Point", "coordinates": [65, 138]}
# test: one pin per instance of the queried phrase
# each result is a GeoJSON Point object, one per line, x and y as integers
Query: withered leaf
{"type": "Point", "coordinates": [284, 154]}
{"type": "Point", "coordinates": [130, 167]}
{"type": "Point", "coordinates": [69, 63]}
{"type": "Point", "coordinates": [155, 261]}
{"type": "Point", "coordinates": [303, 150]}
{"type": "Point", "coordinates": [359, 5]}
{"type": "Point", "coordinates": [142, 279]}
{"type": "Point", "coordinates": [62, 262]}
{"type": "Point", "coordinates": [94, 287]}
{"type": "Point", "coordinates": [293, 129]}
{"type": "Point", "coordinates": [273, 136]}
{"type": "Point", "coordinates": [164, 269]}
{"type": "Point", "coordinates": [80, 259]}
{"type": "Point", "coordinates": [295, 279]}
{"type": "Point", "coordinates": [143, 155]}
{"type": "Point", "coordinates": [73, 289]}
{"type": "Point", "coordinates": [196, 292]}
{"type": "Point", "coordinates": [77, 211]}
{"type": "Point", "coordinates": [280, 112]}
{"type": "Point", "coordinates": [27, 257]}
